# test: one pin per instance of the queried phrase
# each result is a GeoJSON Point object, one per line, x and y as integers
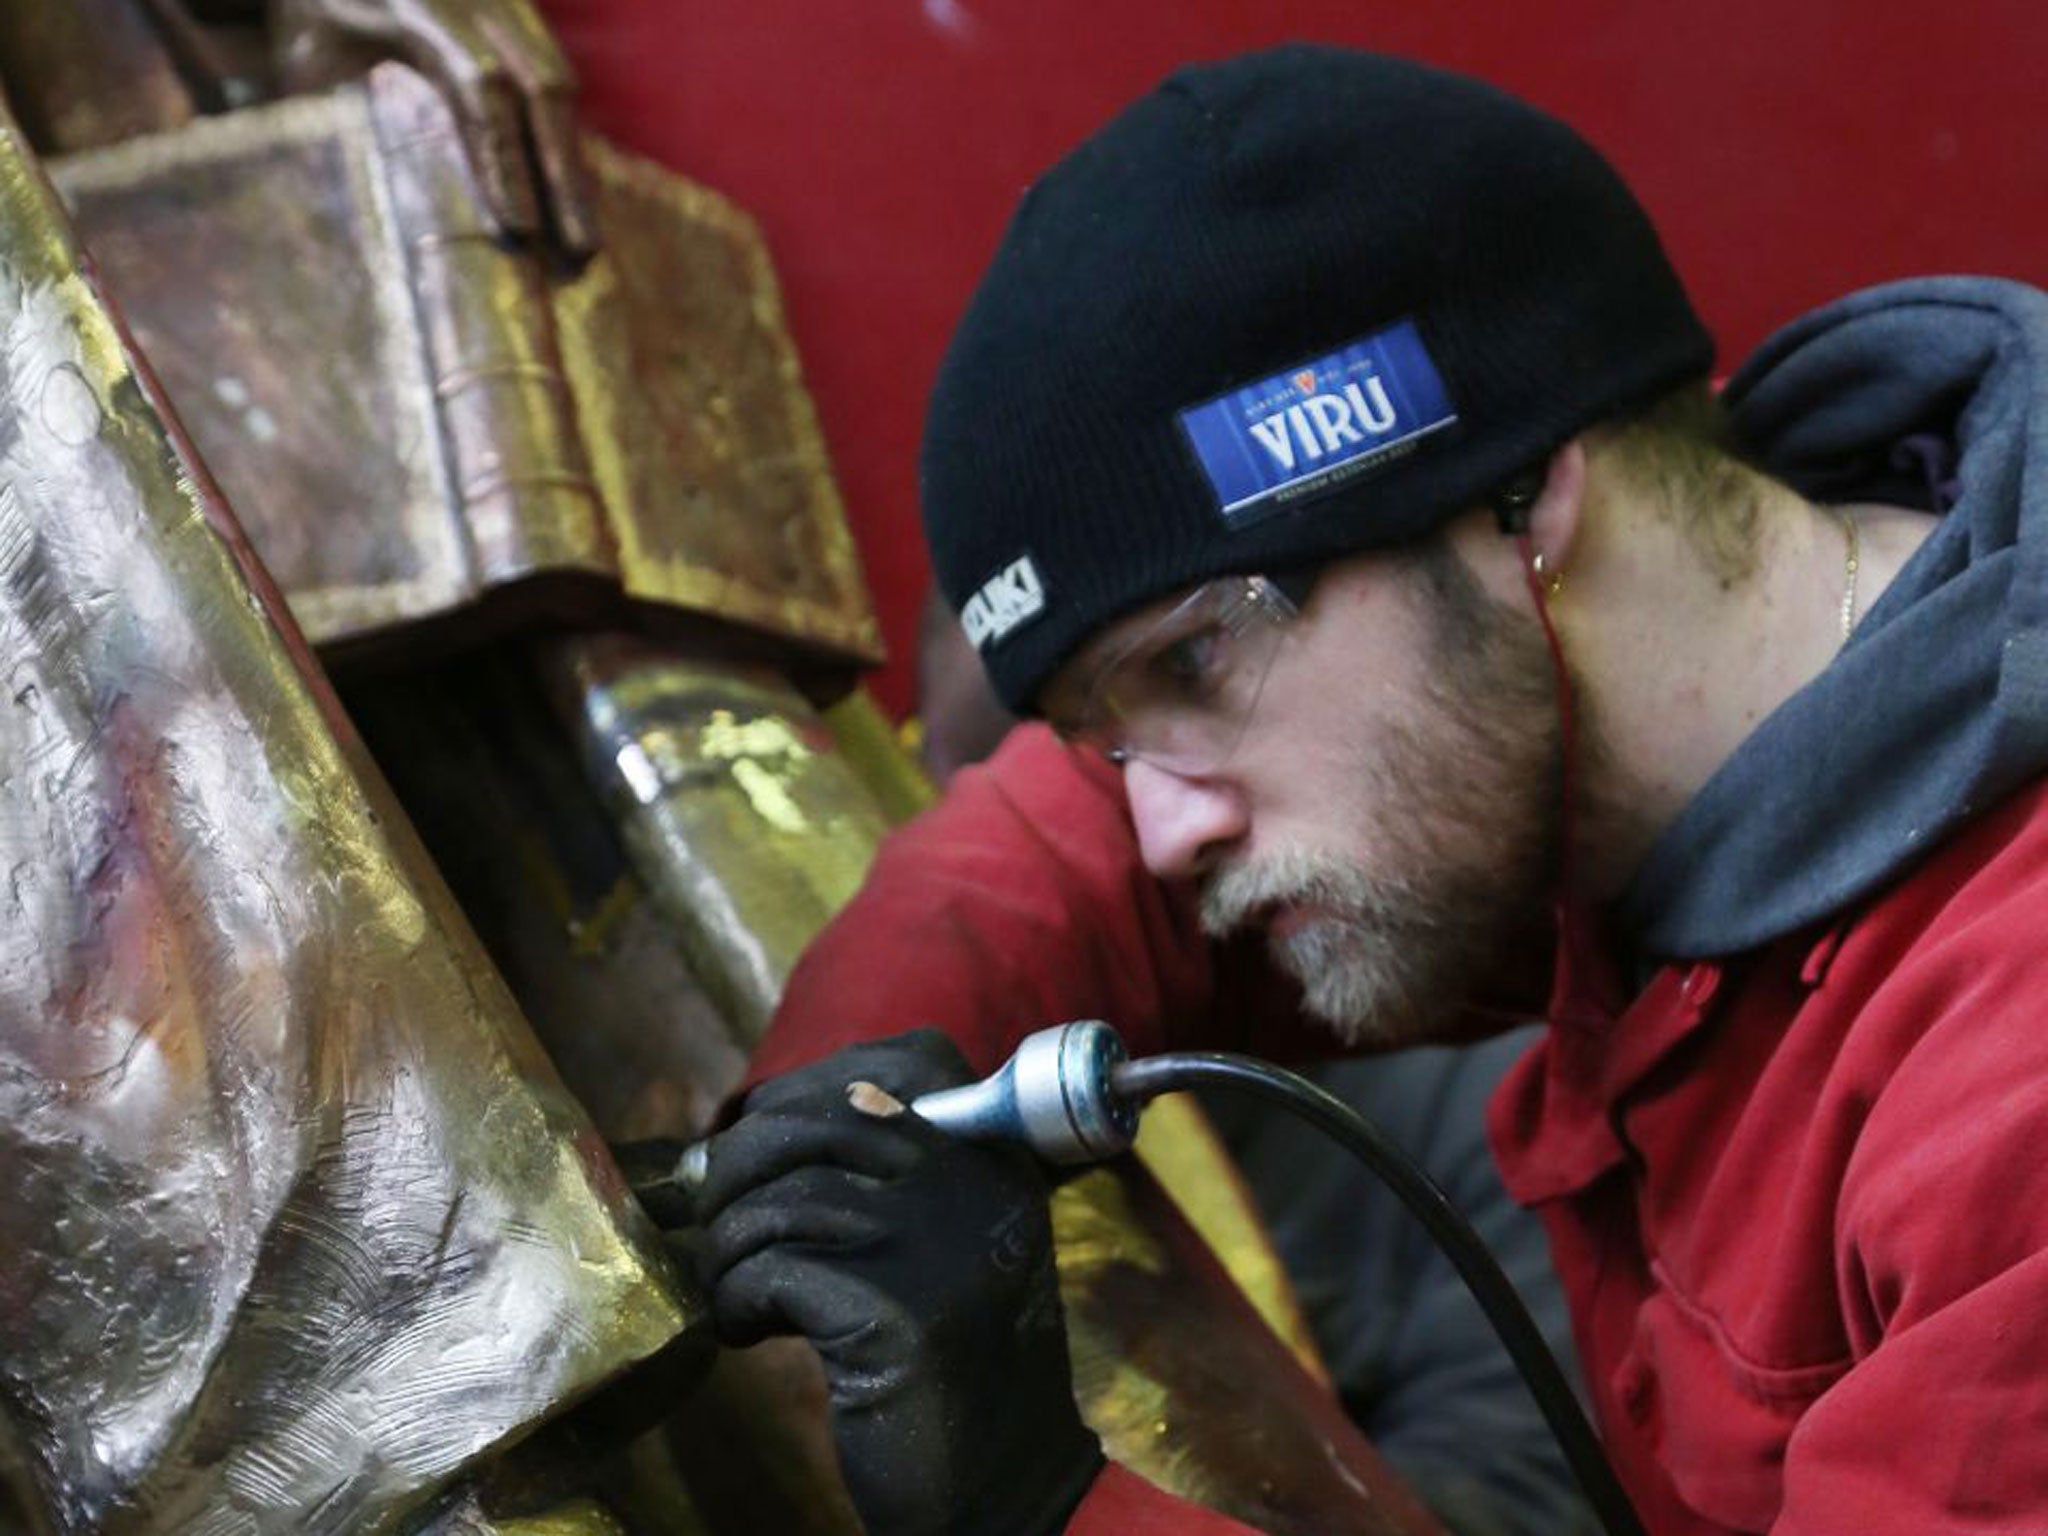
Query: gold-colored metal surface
{"type": "Point", "coordinates": [1188, 1388]}
{"type": "Point", "coordinates": [416, 422]}
{"type": "Point", "coordinates": [581, 1518]}
{"type": "Point", "coordinates": [300, 1223]}
{"type": "Point", "coordinates": [1182, 1151]}
{"type": "Point", "coordinates": [466, 1516]}
{"type": "Point", "coordinates": [744, 821]}
{"type": "Point", "coordinates": [880, 756]}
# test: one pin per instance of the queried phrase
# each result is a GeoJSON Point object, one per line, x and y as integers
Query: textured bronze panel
{"type": "Point", "coordinates": [412, 419]}
{"type": "Point", "coordinates": [299, 1222]}
{"type": "Point", "coordinates": [701, 433]}
{"type": "Point", "coordinates": [256, 261]}
{"type": "Point", "coordinates": [519, 476]}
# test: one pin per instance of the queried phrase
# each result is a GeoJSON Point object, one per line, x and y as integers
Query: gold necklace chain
{"type": "Point", "coordinates": [1851, 564]}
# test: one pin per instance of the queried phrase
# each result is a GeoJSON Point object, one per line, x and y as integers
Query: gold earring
{"type": "Point", "coordinates": [1553, 581]}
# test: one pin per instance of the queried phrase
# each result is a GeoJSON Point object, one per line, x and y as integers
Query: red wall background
{"type": "Point", "coordinates": [1788, 149]}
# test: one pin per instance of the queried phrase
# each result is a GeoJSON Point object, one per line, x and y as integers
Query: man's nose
{"type": "Point", "coordinates": [1183, 823]}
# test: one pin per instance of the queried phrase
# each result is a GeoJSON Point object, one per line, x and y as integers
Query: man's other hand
{"type": "Point", "coordinates": [513, 94]}
{"type": "Point", "coordinates": [921, 1269]}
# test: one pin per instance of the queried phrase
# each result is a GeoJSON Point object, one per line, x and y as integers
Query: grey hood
{"type": "Point", "coordinates": [1933, 394]}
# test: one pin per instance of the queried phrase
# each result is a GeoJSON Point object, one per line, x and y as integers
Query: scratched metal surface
{"type": "Point", "coordinates": [299, 1223]}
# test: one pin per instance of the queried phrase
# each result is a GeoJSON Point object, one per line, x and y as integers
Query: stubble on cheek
{"type": "Point", "coordinates": [1459, 816]}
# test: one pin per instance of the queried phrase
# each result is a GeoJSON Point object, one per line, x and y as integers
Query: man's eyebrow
{"type": "Point", "coordinates": [1066, 696]}
{"type": "Point", "coordinates": [1114, 643]}
{"type": "Point", "coordinates": [1085, 664]}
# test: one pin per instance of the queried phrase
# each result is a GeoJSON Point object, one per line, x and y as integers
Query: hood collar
{"type": "Point", "coordinates": [1938, 705]}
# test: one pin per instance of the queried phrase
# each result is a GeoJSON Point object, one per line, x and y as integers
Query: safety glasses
{"type": "Point", "coordinates": [1181, 694]}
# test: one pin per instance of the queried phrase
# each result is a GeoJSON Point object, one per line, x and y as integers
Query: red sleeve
{"type": "Point", "coordinates": [1020, 901]}
{"type": "Point", "coordinates": [1121, 1503]}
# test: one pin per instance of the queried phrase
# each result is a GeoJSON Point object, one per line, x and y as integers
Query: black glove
{"type": "Point", "coordinates": [921, 1269]}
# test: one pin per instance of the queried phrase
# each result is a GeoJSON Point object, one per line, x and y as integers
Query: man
{"type": "Point", "coordinates": [1327, 454]}
{"type": "Point", "coordinates": [1409, 1352]}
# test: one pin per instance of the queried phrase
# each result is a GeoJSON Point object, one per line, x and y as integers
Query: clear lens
{"type": "Point", "coordinates": [1180, 695]}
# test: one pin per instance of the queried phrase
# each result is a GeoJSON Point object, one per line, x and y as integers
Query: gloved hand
{"type": "Point", "coordinates": [921, 1269]}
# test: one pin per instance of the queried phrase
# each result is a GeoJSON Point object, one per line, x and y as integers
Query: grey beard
{"type": "Point", "coordinates": [1377, 961]}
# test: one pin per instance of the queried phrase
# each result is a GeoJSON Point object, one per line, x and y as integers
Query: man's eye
{"type": "Point", "coordinates": [1192, 666]}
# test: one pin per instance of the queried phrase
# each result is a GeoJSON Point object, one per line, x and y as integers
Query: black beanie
{"type": "Point", "coordinates": [1284, 308]}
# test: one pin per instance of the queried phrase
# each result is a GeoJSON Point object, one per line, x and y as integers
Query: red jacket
{"type": "Point", "coordinates": [1798, 1198]}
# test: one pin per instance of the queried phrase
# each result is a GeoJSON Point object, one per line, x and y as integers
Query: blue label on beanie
{"type": "Point", "coordinates": [1327, 420]}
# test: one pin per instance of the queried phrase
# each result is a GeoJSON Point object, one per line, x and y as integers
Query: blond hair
{"type": "Point", "coordinates": [1679, 453]}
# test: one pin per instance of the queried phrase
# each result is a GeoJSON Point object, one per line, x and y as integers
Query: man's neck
{"type": "Point", "coordinates": [1685, 662]}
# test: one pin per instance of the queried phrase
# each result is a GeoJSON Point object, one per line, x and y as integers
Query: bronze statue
{"type": "Point", "coordinates": [309, 1235]}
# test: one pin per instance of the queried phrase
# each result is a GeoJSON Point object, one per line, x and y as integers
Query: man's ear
{"type": "Point", "coordinates": [1547, 506]}
{"type": "Point", "coordinates": [1554, 516]}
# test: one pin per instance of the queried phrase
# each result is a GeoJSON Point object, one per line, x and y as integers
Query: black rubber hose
{"type": "Point", "coordinates": [1151, 1076]}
